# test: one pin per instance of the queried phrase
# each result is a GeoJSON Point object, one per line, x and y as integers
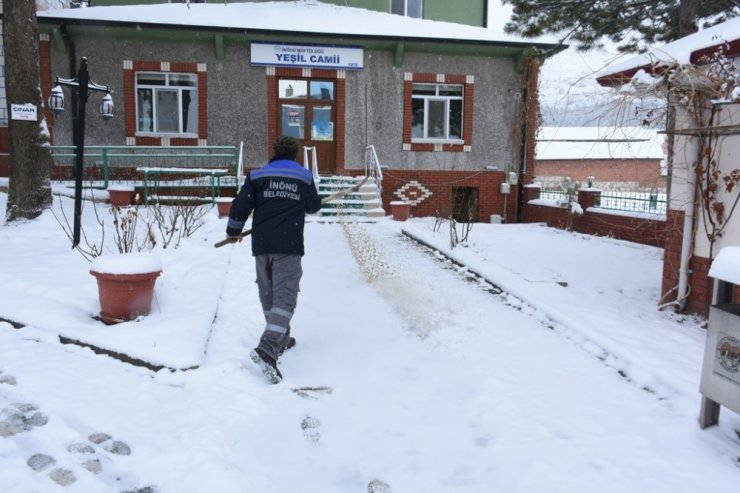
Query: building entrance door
{"type": "Point", "coordinates": [308, 112]}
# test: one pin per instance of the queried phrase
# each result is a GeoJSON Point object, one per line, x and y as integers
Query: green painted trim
{"type": "Point", "coordinates": [522, 57]}
{"type": "Point", "coordinates": [470, 12]}
{"type": "Point", "coordinates": [398, 55]}
{"type": "Point", "coordinates": [59, 43]}
{"type": "Point", "coordinates": [218, 40]}
{"type": "Point", "coordinates": [398, 47]}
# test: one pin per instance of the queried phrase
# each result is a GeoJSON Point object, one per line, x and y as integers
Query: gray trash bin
{"type": "Point", "coordinates": [720, 376]}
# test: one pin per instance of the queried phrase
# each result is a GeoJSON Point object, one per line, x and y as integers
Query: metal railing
{"type": "Point", "coordinates": [634, 202]}
{"type": "Point", "coordinates": [240, 166]}
{"type": "Point", "coordinates": [647, 202]}
{"type": "Point", "coordinates": [372, 168]}
{"type": "Point", "coordinates": [314, 165]}
{"type": "Point", "coordinates": [552, 194]}
{"type": "Point", "coordinates": [110, 158]}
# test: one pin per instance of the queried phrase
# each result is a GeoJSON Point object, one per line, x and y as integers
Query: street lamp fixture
{"type": "Point", "coordinates": [56, 100]}
{"type": "Point", "coordinates": [106, 108]}
{"type": "Point", "coordinates": [82, 84]}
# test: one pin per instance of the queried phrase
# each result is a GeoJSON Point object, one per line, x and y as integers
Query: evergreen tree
{"type": "Point", "coordinates": [29, 190]}
{"type": "Point", "coordinates": [632, 24]}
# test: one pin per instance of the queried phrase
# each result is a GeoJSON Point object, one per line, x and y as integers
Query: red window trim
{"type": "Point", "coordinates": [129, 96]}
{"type": "Point", "coordinates": [467, 82]}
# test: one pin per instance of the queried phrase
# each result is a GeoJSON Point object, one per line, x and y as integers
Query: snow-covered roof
{"type": "Point", "coordinates": [686, 50]}
{"type": "Point", "coordinates": [598, 143]}
{"type": "Point", "coordinates": [726, 266]}
{"type": "Point", "coordinates": [299, 17]}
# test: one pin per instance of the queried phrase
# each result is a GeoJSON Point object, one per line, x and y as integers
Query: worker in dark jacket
{"type": "Point", "coordinates": [279, 194]}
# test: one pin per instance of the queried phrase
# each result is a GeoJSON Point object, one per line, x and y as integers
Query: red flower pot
{"type": "Point", "coordinates": [400, 210]}
{"type": "Point", "coordinates": [224, 205]}
{"type": "Point", "coordinates": [125, 285]}
{"type": "Point", "coordinates": [121, 196]}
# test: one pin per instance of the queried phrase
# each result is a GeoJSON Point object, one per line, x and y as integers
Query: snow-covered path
{"type": "Point", "coordinates": [404, 373]}
{"type": "Point", "coordinates": [438, 386]}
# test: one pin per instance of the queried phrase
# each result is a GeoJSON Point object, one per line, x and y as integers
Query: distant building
{"type": "Point", "coordinates": [616, 158]}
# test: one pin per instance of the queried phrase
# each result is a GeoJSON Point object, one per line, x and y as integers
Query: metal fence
{"type": "Point", "coordinates": [107, 158]}
{"type": "Point", "coordinates": [634, 202]}
{"type": "Point", "coordinates": [647, 202]}
{"type": "Point", "coordinates": [552, 194]}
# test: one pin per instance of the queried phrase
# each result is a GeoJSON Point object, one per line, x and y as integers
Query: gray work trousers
{"type": "Point", "coordinates": [278, 282]}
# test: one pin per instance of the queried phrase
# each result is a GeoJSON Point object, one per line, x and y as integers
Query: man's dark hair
{"type": "Point", "coordinates": [286, 146]}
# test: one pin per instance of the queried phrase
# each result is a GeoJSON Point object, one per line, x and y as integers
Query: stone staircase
{"type": "Point", "coordinates": [363, 204]}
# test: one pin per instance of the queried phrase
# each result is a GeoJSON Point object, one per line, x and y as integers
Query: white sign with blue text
{"type": "Point", "coordinates": [25, 112]}
{"type": "Point", "coordinates": [316, 56]}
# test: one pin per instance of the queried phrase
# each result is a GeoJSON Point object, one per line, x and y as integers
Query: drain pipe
{"type": "Point", "coordinates": [521, 99]}
{"type": "Point", "coordinates": [687, 239]}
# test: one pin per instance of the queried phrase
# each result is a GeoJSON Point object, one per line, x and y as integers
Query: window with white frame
{"type": "Point", "coordinates": [409, 8]}
{"type": "Point", "coordinates": [437, 112]}
{"type": "Point", "coordinates": [167, 103]}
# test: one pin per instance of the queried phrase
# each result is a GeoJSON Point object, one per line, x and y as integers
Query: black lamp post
{"type": "Point", "coordinates": [83, 84]}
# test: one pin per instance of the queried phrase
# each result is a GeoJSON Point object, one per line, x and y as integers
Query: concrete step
{"type": "Point", "coordinates": [364, 203]}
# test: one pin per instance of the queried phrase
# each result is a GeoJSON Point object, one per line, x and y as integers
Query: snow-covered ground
{"type": "Point", "coordinates": [411, 372]}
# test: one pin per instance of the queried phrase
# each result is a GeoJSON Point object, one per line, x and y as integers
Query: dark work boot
{"type": "Point", "coordinates": [267, 364]}
{"type": "Point", "coordinates": [290, 342]}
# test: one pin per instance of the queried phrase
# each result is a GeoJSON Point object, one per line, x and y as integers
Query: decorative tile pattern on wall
{"type": "Point", "coordinates": [413, 192]}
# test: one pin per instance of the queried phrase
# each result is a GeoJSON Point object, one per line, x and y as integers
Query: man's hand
{"type": "Point", "coordinates": [233, 239]}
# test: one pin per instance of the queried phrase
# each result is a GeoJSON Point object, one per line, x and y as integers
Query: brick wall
{"type": "Point", "coordinates": [623, 227]}
{"type": "Point", "coordinates": [46, 80]}
{"type": "Point", "coordinates": [643, 173]}
{"type": "Point", "coordinates": [701, 286]}
{"type": "Point", "coordinates": [700, 295]}
{"type": "Point", "coordinates": [441, 185]}
{"type": "Point", "coordinates": [672, 254]}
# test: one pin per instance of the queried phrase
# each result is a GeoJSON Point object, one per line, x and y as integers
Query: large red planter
{"type": "Point", "coordinates": [400, 210]}
{"type": "Point", "coordinates": [223, 204]}
{"type": "Point", "coordinates": [125, 285]}
{"type": "Point", "coordinates": [121, 195]}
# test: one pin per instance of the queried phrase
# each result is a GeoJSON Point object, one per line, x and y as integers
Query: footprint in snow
{"type": "Point", "coordinates": [310, 426]}
{"type": "Point", "coordinates": [20, 417]}
{"type": "Point", "coordinates": [378, 486]}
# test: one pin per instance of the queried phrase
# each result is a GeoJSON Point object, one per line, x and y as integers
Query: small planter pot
{"type": "Point", "coordinates": [125, 285]}
{"type": "Point", "coordinates": [121, 195]}
{"type": "Point", "coordinates": [223, 204]}
{"type": "Point", "coordinates": [400, 210]}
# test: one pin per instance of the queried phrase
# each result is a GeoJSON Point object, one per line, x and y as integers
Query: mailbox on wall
{"type": "Point", "coordinates": [720, 376]}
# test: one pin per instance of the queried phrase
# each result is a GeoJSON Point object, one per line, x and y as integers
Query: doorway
{"type": "Point", "coordinates": [307, 111]}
